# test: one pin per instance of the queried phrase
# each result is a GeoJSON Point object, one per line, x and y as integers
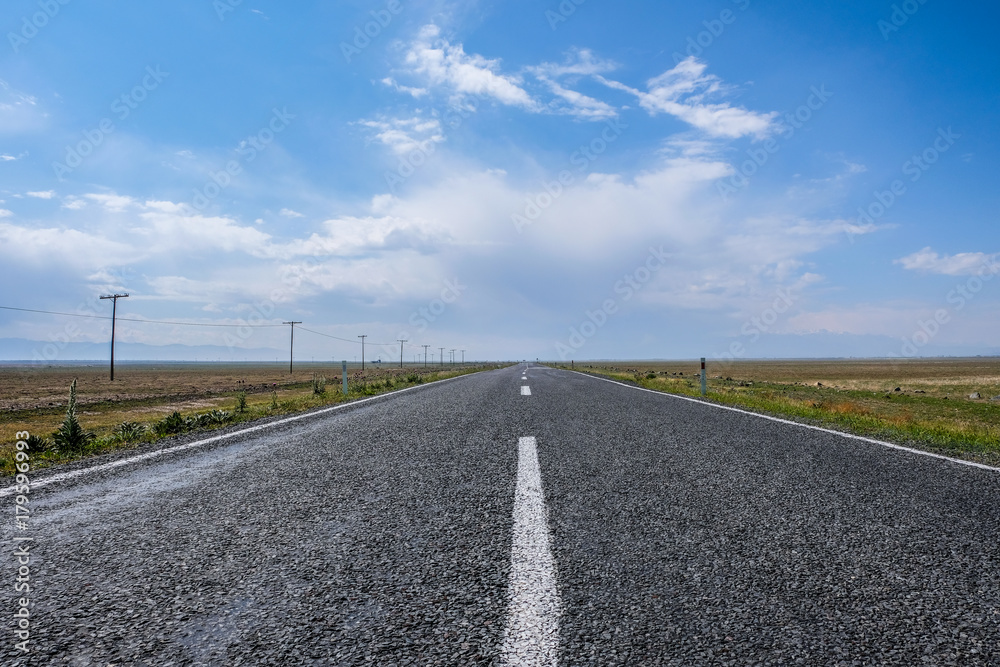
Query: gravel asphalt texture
{"type": "Point", "coordinates": [682, 534]}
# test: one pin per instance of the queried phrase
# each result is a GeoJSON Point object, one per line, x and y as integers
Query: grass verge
{"type": "Point", "coordinates": [118, 425]}
{"type": "Point", "coordinates": [956, 427]}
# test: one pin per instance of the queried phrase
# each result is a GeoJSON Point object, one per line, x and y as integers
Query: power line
{"type": "Point", "coordinates": [185, 324]}
{"type": "Point", "coordinates": [132, 319]}
{"type": "Point", "coordinates": [346, 340]}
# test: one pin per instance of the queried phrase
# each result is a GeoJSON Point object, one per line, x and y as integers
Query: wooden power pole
{"type": "Point", "coordinates": [114, 313]}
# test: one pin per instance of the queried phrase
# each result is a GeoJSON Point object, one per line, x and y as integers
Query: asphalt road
{"type": "Point", "coordinates": [411, 530]}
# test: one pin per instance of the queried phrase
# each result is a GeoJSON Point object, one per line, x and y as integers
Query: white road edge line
{"type": "Point", "coordinates": [800, 424]}
{"type": "Point", "coordinates": [525, 391]}
{"type": "Point", "coordinates": [531, 636]}
{"type": "Point", "coordinates": [62, 477]}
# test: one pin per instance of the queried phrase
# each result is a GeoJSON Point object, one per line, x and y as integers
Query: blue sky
{"type": "Point", "coordinates": [518, 179]}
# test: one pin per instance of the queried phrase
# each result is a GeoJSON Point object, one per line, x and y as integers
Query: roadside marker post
{"type": "Point", "coordinates": [343, 368]}
{"type": "Point", "coordinates": [703, 386]}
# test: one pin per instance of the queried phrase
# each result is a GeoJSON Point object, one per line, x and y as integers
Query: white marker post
{"type": "Point", "coordinates": [703, 385]}
{"type": "Point", "coordinates": [343, 367]}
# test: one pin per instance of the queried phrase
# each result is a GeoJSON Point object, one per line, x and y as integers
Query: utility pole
{"type": "Point", "coordinates": [114, 313]}
{"type": "Point", "coordinates": [442, 355]}
{"type": "Point", "coordinates": [291, 345]}
{"type": "Point", "coordinates": [463, 357]}
{"type": "Point", "coordinates": [425, 355]}
{"type": "Point", "coordinates": [453, 357]}
{"type": "Point", "coordinates": [401, 341]}
{"type": "Point", "coordinates": [363, 350]}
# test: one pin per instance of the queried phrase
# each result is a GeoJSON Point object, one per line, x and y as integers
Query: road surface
{"type": "Point", "coordinates": [576, 522]}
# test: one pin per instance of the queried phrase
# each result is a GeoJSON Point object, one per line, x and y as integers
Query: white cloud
{"type": "Point", "coordinates": [74, 204]}
{"type": "Point", "coordinates": [448, 65]}
{"type": "Point", "coordinates": [962, 264]}
{"type": "Point", "coordinates": [44, 194]}
{"type": "Point", "coordinates": [289, 213]}
{"type": "Point", "coordinates": [60, 247]}
{"type": "Point", "coordinates": [579, 105]}
{"type": "Point", "coordinates": [5, 213]}
{"type": "Point", "coordinates": [415, 92]}
{"type": "Point", "coordinates": [112, 202]}
{"type": "Point", "coordinates": [167, 230]}
{"type": "Point", "coordinates": [578, 62]}
{"type": "Point", "coordinates": [405, 135]}
{"type": "Point", "coordinates": [683, 91]}
{"type": "Point", "coordinates": [350, 237]}
{"type": "Point", "coordinates": [6, 158]}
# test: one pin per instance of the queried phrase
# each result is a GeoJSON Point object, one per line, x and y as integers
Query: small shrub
{"type": "Point", "coordinates": [241, 402]}
{"type": "Point", "coordinates": [71, 437]}
{"type": "Point", "coordinates": [129, 432]}
{"type": "Point", "coordinates": [319, 386]}
{"type": "Point", "coordinates": [219, 417]}
{"type": "Point", "coordinates": [414, 378]}
{"type": "Point", "coordinates": [650, 375]}
{"type": "Point", "coordinates": [274, 400]}
{"type": "Point", "coordinates": [37, 443]}
{"type": "Point", "coordinates": [171, 424]}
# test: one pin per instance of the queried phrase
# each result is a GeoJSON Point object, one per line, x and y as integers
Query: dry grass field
{"type": "Point", "coordinates": [924, 403]}
{"type": "Point", "coordinates": [34, 398]}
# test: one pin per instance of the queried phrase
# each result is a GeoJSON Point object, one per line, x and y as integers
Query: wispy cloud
{"type": "Point", "coordinates": [19, 111]}
{"type": "Point", "coordinates": [448, 65]}
{"type": "Point", "coordinates": [683, 92]}
{"type": "Point", "coordinates": [962, 264]}
{"type": "Point", "coordinates": [404, 135]}
{"type": "Point", "coordinates": [44, 194]}
{"type": "Point", "coordinates": [409, 90]}
{"type": "Point", "coordinates": [112, 202]}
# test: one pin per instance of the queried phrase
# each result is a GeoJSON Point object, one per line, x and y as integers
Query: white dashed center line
{"type": "Point", "coordinates": [525, 391]}
{"type": "Point", "coordinates": [532, 633]}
